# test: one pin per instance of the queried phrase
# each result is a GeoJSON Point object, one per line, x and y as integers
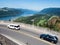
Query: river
{"type": "Point", "coordinates": [13, 17]}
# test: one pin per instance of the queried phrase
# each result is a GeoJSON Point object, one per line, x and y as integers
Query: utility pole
{"type": "Point", "coordinates": [32, 21]}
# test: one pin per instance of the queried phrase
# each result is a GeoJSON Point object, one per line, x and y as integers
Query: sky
{"type": "Point", "coordinates": [30, 4]}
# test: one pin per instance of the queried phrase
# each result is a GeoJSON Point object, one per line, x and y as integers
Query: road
{"type": "Point", "coordinates": [24, 36]}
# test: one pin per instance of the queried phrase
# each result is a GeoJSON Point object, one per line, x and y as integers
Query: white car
{"type": "Point", "coordinates": [14, 26]}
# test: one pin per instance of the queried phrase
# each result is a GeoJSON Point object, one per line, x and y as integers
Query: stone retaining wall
{"type": "Point", "coordinates": [6, 41]}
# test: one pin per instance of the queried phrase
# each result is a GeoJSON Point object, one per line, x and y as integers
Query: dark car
{"type": "Point", "coordinates": [49, 38]}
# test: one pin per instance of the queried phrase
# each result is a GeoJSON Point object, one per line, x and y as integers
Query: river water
{"type": "Point", "coordinates": [13, 17]}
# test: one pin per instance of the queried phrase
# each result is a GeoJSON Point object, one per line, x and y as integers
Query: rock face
{"type": "Point", "coordinates": [54, 22]}
{"type": "Point", "coordinates": [2, 40]}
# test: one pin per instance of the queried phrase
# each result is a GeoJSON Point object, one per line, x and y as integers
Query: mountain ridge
{"type": "Point", "coordinates": [14, 11]}
{"type": "Point", "coordinates": [52, 11]}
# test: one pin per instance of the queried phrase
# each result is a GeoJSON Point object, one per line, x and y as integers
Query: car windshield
{"type": "Point", "coordinates": [52, 37]}
{"type": "Point", "coordinates": [55, 38]}
{"type": "Point", "coordinates": [17, 26]}
{"type": "Point", "coordinates": [49, 36]}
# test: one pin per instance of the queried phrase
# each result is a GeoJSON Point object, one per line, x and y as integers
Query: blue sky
{"type": "Point", "coordinates": [30, 4]}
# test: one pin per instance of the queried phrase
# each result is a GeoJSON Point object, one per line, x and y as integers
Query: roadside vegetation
{"type": "Point", "coordinates": [43, 20]}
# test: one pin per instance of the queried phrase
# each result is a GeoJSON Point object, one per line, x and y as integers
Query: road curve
{"type": "Point", "coordinates": [23, 37]}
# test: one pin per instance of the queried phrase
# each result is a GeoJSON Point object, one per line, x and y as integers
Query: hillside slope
{"type": "Point", "coordinates": [5, 12]}
{"type": "Point", "coordinates": [51, 11]}
{"type": "Point", "coordinates": [46, 18]}
{"type": "Point", "coordinates": [52, 22]}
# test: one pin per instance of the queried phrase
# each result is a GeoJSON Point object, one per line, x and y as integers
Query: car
{"type": "Point", "coordinates": [14, 26]}
{"type": "Point", "coordinates": [49, 38]}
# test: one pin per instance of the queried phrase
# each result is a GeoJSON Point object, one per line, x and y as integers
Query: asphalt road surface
{"type": "Point", "coordinates": [25, 36]}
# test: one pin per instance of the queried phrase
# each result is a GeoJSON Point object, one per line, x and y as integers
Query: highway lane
{"type": "Point", "coordinates": [34, 34]}
{"type": "Point", "coordinates": [24, 31]}
{"type": "Point", "coordinates": [31, 28]}
{"type": "Point", "coordinates": [23, 37]}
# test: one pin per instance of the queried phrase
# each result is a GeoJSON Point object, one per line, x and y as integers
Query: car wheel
{"type": "Point", "coordinates": [41, 37]}
{"type": "Point", "coordinates": [55, 42]}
